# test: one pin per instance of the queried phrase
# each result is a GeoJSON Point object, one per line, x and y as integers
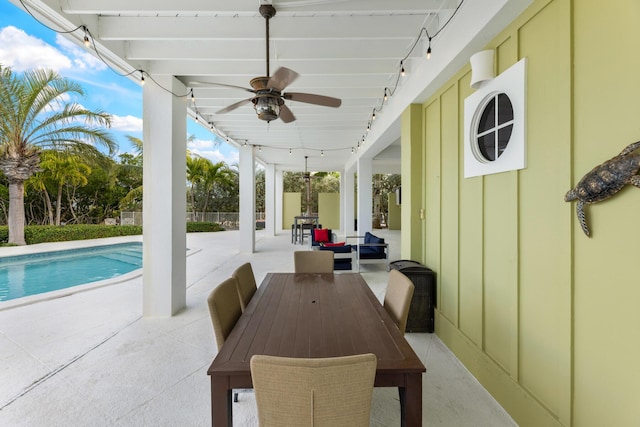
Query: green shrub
{"type": "Point", "coordinates": [203, 227]}
{"type": "Point", "coordinates": [52, 233]}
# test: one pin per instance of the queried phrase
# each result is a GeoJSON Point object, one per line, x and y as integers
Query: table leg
{"type": "Point", "coordinates": [221, 402]}
{"type": "Point", "coordinates": [411, 401]}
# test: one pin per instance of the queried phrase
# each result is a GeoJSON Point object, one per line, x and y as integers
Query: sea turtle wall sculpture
{"type": "Point", "coordinates": [605, 180]}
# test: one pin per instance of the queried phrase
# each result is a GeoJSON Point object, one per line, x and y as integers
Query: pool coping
{"type": "Point", "coordinates": [75, 244]}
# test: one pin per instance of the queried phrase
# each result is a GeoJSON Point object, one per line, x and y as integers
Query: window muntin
{"type": "Point", "coordinates": [494, 128]}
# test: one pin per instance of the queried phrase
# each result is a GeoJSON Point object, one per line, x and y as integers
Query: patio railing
{"type": "Point", "coordinates": [228, 220]}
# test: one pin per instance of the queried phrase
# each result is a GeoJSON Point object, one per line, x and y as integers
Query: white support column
{"type": "Point", "coordinates": [270, 199]}
{"type": "Point", "coordinates": [365, 195]}
{"type": "Point", "coordinates": [348, 200]}
{"type": "Point", "coordinates": [278, 200]}
{"type": "Point", "coordinates": [247, 199]}
{"type": "Point", "coordinates": [165, 203]}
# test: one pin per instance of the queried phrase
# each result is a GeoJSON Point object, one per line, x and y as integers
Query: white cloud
{"type": "Point", "coordinates": [21, 52]}
{"type": "Point", "coordinates": [82, 59]}
{"type": "Point", "coordinates": [126, 123]}
{"type": "Point", "coordinates": [207, 149]}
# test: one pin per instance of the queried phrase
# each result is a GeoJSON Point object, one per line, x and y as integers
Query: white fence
{"type": "Point", "coordinates": [228, 220]}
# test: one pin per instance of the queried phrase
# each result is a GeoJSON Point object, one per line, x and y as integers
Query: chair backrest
{"type": "Point", "coordinates": [224, 309]}
{"type": "Point", "coordinates": [246, 284]}
{"type": "Point", "coordinates": [313, 261]}
{"type": "Point", "coordinates": [320, 392]}
{"type": "Point", "coordinates": [397, 298]}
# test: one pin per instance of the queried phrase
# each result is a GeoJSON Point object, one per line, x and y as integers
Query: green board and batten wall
{"type": "Point", "coordinates": [547, 319]}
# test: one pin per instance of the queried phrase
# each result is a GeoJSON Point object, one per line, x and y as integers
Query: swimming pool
{"type": "Point", "coordinates": [25, 275]}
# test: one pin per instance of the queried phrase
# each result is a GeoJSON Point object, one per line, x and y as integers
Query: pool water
{"type": "Point", "coordinates": [26, 275]}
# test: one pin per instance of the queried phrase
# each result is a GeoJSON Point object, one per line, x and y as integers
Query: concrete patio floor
{"type": "Point", "coordinates": [90, 358]}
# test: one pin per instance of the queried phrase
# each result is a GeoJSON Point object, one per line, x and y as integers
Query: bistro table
{"type": "Point", "coordinates": [299, 222]}
{"type": "Point", "coordinates": [316, 315]}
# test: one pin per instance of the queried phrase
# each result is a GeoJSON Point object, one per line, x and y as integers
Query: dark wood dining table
{"type": "Point", "coordinates": [316, 315]}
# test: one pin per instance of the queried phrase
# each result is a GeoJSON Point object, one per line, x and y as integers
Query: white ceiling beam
{"type": "Point", "coordinates": [228, 28]}
{"type": "Point", "coordinates": [371, 7]}
{"type": "Point", "coordinates": [251, 68]}
{"type": "Point", "coordinates": [239, 50]}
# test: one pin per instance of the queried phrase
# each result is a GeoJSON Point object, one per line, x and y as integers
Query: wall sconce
{"type": "Point", "coordinates": [481, 68]}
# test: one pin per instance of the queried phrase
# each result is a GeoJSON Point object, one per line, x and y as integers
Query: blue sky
{"type": "Point", "coordinates": [27, 44]}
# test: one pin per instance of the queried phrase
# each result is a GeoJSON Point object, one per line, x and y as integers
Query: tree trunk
{"type": "Point", "coordinates": [16, 213]}
{"type": "Point", "coordinates": [59, 205]}
{"type": "Point", "coordinates": [70, 197]}
{"type": "Point", "coordinates": [49, 206]}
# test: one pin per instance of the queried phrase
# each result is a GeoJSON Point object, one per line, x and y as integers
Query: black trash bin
{"type": "Point", "coordinates": [421, 312]}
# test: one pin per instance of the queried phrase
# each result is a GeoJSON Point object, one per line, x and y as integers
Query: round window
{"type": "Point", "coordinates": [494, 124]}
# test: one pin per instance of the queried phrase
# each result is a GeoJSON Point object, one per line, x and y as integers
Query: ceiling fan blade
{"type": "Point", "coordinates": [205, 84]}
{"type": "Point", "coordinates": [282, 78]}
{"type": "Point", "coordinates": [233, 106]}
{"type": "Point", "coordinates": [286, 115]}
{"type": "Point", "coordinates": [310, 98]}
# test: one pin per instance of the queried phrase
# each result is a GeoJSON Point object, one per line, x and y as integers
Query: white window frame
{"type": "Point", "coordinates": [512, 83]}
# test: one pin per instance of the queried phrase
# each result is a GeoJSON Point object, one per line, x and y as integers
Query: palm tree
{"type": "Point", "coordinates": [35, 114]}
{"type": "Point", "coordinates": [196, 167]}
{"type": "Point", "coordinates": [215, 174]}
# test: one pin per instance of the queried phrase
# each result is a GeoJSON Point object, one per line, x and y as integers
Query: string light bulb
{"type": "Point", "coordinates": [385, 94]}
{"type": "Point", "coordinates": [193, 98]}
{"type": "Point", "coordinates": [374, 115]}
{"type": "Point", "coordinates": [429, 49]}
{"type": "Point", "coordinates": [290, 151]}
{"type": "Point", "coordinates": [142, 77]}
{"type": "Point", "coordinates": [321, 153]}
{"type": "Point", "coordinates": [402, 68]}
{"type": "Point", "coordinates": [86, 41]}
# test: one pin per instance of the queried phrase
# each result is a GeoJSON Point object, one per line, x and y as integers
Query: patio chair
{"type": "Point", "coordinates": [321, 392]}
{"type": "Point", "coordinates": [397, 298]}
{"type": "Point", "coordinates": [246, 284]}
{"type": "Point", "coordinates": [313, 262]}
{"type": "Point", "coordinates": [372, 250]}
{"type": "Point", "coordinates": [225, 310]}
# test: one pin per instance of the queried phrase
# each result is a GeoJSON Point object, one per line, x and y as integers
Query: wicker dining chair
{"type": "Point", "coordinates": [313, 261]}
{"type": "Point", "coordinates": [225, 310]}
{"type": "Point", "coordinates": [246, 284]}
{"type": "Point", "coordinates": [397, 298]}
{"type": "Point", "coordinates": [321, 392]}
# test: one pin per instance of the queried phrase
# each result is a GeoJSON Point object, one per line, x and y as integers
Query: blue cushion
{"type": "Point", "coordinates": [373, 251]}
{"type": "Point", "coordinates": [337, 249]}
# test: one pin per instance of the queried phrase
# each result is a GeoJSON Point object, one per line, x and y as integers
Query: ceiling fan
{"type": "Point", "coordinates": [269, 98]}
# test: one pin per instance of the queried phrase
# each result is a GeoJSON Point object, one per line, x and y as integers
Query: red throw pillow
{"type": "Point", "coordinates": [321, 235]}
{"type": "Point", "coordinates": [329, 245]}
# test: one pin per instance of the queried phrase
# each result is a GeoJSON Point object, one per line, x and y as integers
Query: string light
{"type": "Point", "coordinates": [321, 153]}
{"type": "Point", "coordinates": [86, 41]}
{"type": "Point", "coordinates": [390, 92]}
